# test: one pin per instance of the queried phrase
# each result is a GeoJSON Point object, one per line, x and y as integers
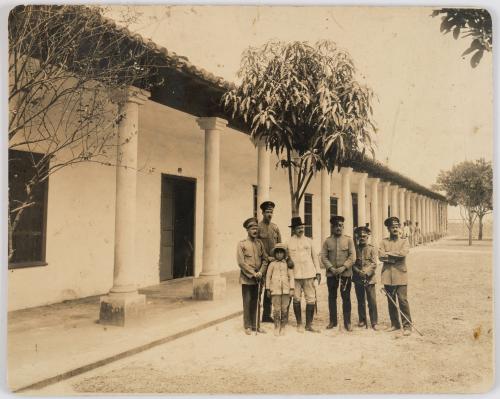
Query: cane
{"type": "Point", "coordinates": [399, 310]}
{"type": "Point", "coordinates": [257, 322]}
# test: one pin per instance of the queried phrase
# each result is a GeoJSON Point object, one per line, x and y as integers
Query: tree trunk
{"type": "Point", "coordinates": [470, 235]}
{"type": "Point", "coordinates": [480, 234]}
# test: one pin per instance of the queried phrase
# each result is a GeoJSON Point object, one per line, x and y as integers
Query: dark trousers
{"type": "Point", "coordinates": [266, 305]}
{"type": "Point", "coordinates": [333, 283]}
{"type": "Point", "coordinates": [401, 293]}
{"type": "Point", "coordinates": [250, 294]}
{"type": "Point", "coordinates": [366, 294]}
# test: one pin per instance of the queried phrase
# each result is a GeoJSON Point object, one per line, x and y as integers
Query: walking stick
{"type": "Point", "coordinates": [399, 310]}
{"type": "Point", "coordinates": [257, 322]}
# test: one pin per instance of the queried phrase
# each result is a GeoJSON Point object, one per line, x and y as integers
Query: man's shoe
{"type": "Point", "coordinates": [300, 328]}
{"type": "Point", "coordinates": [393, 328]}
{"type": "Point", "coordinates": [376, 327]}
{"type": "Point", "coordinates": [248, 331]}
{"type": "Point", "coordinates": [348, 327]}
{"type": "Point", "coordinates": [312, 329]}
{"type": "Point", "coordinates": [261, 331]}
{"type": "Point", "coordinates": [267, 319]}
{"type": "Point", "coordinates": [331, 325]}
{"type": "Point", "coordinates": [362, 324]}
{"type": "Point", "coordinates": [406, 332]}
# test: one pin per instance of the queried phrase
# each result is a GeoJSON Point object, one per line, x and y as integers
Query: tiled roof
{"type": "Point", "coordinates": [172, 60]}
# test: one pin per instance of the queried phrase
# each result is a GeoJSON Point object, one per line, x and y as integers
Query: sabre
{"type": "Point", "coordinates": [257, 322]}
{"type": "Point", "coordinates": [399, 310]}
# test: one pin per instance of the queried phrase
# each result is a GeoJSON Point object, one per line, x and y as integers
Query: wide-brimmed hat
{"type": "Point", "coordinates": [391, 220]}
{"type": "Point", "coordinates": [267, 205]}
{"type": "Point", "coordinates": [279, 246]}
{"type": "Point", "coordinates": [296, 221]}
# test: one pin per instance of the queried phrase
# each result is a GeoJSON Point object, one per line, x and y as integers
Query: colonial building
{"type": "Point", "coordinates": [173, 206]}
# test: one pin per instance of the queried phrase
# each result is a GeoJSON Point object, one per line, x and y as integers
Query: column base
{"type": "Point", "coordinates": [209, 288]}
{"type": "Point", "coordinates": [121, 309]}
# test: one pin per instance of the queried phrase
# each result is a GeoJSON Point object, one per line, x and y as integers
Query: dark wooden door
{"type": "Point", "coordinates": [167, 229]}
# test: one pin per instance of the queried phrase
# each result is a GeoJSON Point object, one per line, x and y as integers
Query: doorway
{"type": "Point", "coordinates": [178, 198]}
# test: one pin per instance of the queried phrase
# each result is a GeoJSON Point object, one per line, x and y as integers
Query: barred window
{"type": "Point", "coordinates": [308, 216]}
{"type": "Point", "coordinates": [29, 236]}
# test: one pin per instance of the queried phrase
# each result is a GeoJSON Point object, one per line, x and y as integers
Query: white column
{"type": "Point", "coordinates": [394, 200]}
{"type": "Point", "coordinates": [210, 285]}
{"type": "Point", "coordinates": [385, 201]}
{"type": "Point", "coordinates": [374, 222]}
{"type": "Point", "coordinates": [413, 208]}
{"type": "Point", "coordinates": [123, 304]}
{"type": "Point", "coordinates": [263, 173]}
{"type": "Point", "coordinates": [347, 200]}
{"type": "Point", "coordinates": [408, 205]}
{"type": "Point", "coordinates": [325, 205]}
{"type": "Point", "coordinates": [427, 224]}
{"type": "Point", "coordinates": [402, 205]}
{"type": "Point", "coordinates": [362, 199]}
{"type": "Point", "coordinates": [421, 216]}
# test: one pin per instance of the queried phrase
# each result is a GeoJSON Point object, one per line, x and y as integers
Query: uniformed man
{"type": "Point", "coordinates": [338, 255]}
{"type": "Point", "coordinates": [306, 270]}
{"type": "Point", "coordinates": [392, 252]}
{"type": "Point", "coordinates": [269, 234]}
{"type": "Point", "coordinates": [364, 277]}
{"type": "Point", "coordinates": [252, 260]}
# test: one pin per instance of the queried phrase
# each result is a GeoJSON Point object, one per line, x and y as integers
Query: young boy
{"type": "Point", "coordinates": [280, 285]}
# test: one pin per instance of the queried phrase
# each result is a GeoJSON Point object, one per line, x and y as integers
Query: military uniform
{"type": "Point", "coordinates": [252, 258]}
{"type": "Point", "coordinates": [339, 251]}
{"type": "Point", "coordinates": [366, 261]}
{"type": "Point", "coordinates": [269, 235]}
{"type": "Point", "coordinates": [392, 252]}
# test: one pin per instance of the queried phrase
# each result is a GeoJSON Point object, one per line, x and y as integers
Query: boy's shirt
{"type": "Point", "coordinates": [279, 278]}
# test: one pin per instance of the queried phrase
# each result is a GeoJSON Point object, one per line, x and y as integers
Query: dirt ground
{"type": "Point", "coordinates": [450, 295]}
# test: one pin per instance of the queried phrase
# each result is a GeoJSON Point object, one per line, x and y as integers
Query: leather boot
{"type": "Point", "coordinates": [298, 315]}
{"type": "Point", "coordinates": [284, 322]}
{"type": "Point", "coordinates": [309, 318]}
{"type": "Point", "coordinates": [277, 323]}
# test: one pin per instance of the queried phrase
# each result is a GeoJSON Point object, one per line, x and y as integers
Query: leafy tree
{"type": "Point", "coordinates": [469, 185]}
{"type": "Point", "coordinates": [65, 64]}
{"type": "Point", "coordinates": [470, 22]}
{"type": "Point", "coordinates": [485, 193]}
{"type": "Point", "coordinates": [304, 102]}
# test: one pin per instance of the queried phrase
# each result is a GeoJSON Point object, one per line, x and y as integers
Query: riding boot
{"type": "Point", "coordinates": [298, 315]}
{"type": "Point", "coordinates": [277, 323]}
{"type": "Point", "coordinates": [309, 318]}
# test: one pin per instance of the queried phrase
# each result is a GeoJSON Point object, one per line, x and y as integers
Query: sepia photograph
{"type": "Point", "coordinates": [248, 199]}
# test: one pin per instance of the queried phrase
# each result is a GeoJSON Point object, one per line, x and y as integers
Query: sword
{"type": "Point", "coordinates": [399, 310]}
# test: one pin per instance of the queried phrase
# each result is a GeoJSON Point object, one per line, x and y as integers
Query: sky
{"type": "Point", "coordinates": [432, 108]}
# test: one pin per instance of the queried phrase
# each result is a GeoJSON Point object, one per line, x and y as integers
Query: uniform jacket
{"type": "Point", "coordinates": [366, 260]}
{"type": "Point", "coordinates": [252, 258]}
{"type": "Point", "coordinates": [279, 278]}
{"type": "Point", "coordinates": [302, 253]}
{"type": "Point", "coordinates": [394, 271]}
{"type": "Point", "coordinates": [337, 252]}
{"type": "Point", "coordinates": [270, 235]}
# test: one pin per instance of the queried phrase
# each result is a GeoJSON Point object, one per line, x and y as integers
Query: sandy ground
{"type": "Point", "coordinates": [450, 296]}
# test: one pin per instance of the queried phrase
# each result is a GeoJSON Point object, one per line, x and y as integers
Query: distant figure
{"type": "Point", "coordinates": [418, 234]}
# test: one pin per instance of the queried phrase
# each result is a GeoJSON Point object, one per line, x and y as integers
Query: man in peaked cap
{"type": "Point", "coordinates": [364, 277]}
{"type": "Point", "coordinates": [252, 260]}
{"type": "Point", "coordinates": [392, 252]}
{"type": "Point", "coordinates": [270, 235]}
{"type": "Point", "coordinates": [338, 255]}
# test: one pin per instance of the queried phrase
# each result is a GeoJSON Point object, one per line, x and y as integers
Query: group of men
{"type": "Point", "coordinates": [412, 232]}
{"type": "Point", "coordinates": [347, 262]}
